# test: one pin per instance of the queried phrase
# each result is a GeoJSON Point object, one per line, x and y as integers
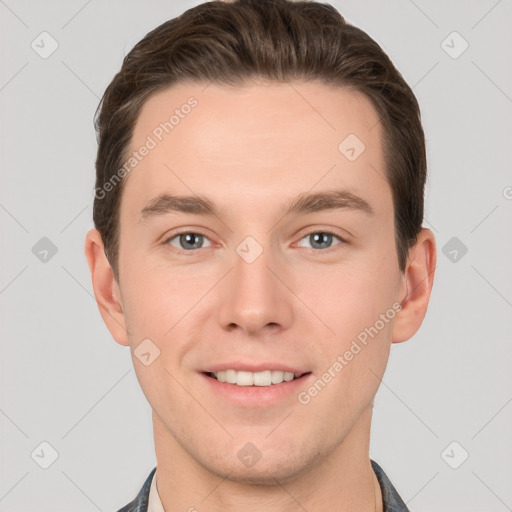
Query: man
{"type": "Point", "coordinates": [259, 247]}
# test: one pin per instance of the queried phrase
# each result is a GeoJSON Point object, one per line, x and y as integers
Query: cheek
{"type": "Point", "coordinates": [351, 302]}
{"type": "Point", "coordinates": [163, 305]}
{"type": "Point", "coordinates": [351, 298]}
{"type": "Point", "coordinates": [353, 359]}
{"type": "Point", "coordinates": [154, 298]}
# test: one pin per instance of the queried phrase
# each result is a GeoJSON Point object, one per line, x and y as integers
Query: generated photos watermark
{"type": "Point", "coordinates": [367, 334]}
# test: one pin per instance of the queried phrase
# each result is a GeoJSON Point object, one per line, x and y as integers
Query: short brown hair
{"type": "Point", "coordinates": [231, 43]}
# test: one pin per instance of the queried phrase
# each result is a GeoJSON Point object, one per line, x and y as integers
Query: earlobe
{"type": "Point", "coordinates": [106, 289]}
{"type": "Point", "coordinates": [418, 278]}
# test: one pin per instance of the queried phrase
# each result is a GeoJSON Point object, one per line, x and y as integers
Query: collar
{"type": "Point", "coordinates": [148, 499]}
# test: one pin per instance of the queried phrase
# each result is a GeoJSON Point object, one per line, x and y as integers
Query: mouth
{"type": "Point", "coordinates": [264, 378]}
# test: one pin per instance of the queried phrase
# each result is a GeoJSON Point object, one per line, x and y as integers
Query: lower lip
{"type": "Point", "coordinates": [257, 396]}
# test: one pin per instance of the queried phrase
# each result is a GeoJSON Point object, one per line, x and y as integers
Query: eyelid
{"type": "Point", "coordinates": [342, 234]}
{"type": "Point", "coordinates": [343, 240]}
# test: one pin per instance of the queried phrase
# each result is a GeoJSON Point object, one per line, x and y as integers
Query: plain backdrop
{"type": "Point", "coordinates": [443, 414]}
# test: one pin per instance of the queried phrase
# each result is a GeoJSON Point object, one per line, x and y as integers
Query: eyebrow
{"type": "Point", "coordinates": [302, 204]}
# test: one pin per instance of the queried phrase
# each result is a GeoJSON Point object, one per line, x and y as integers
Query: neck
{"type": "Point", "coordinates": [342, 480]}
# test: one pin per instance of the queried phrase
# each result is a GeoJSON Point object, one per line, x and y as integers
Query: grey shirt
{"type": "Point", "coordinates": [390, 498]}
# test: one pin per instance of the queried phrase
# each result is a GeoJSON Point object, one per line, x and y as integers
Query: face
{"type": "Point", "coordinates": [282, 259]}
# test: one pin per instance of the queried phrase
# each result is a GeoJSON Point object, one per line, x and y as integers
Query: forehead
{"type": "Point", "coordinates": [255, 142]}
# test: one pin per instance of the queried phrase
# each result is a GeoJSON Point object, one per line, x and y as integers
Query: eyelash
{"type": "Point", "coordinates": [202, 233]}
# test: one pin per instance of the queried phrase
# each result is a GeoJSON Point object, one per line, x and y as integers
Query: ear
{"type": "Point", "coordinates": [106, 288]}
{"type": "Point", "coordinates": [418, 278]}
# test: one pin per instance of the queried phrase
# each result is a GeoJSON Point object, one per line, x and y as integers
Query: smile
{"type": "Point", "coordinates": [245, 378]}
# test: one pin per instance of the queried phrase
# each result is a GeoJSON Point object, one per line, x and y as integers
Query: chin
{"type": "Point", "coordinates": [270, 469]}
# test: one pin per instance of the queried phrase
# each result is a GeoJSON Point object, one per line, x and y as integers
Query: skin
{"type": "Point", "coordinates": [250, 150]}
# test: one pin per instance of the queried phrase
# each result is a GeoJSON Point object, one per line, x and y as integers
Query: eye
{"type": "Point", "coordinates": [321, 239]}
{"type": "Point", "coordinates": [188, 241]}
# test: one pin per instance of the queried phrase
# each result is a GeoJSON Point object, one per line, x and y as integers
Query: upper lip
{"type": "Point", "coordinates": [255, 367]}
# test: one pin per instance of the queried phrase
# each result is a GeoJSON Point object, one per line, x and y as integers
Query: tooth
{"type": "Point", "coordinates": [263, 378]}
{"type": "Point", "coordinates": [244, 378]}
{"type": "Point", "coordinates": [277, 376]}
{"type": "Point", "coordinates": [231, 376]}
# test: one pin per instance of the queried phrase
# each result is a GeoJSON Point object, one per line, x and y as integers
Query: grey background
{"type": "Point", "coordinates": [65, 381]}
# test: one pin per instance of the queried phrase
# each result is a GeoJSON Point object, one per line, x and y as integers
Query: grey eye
{"type": "Point", "coordinates": [189, 241]}
{"type": "Point", "coordinates": [321, 239]}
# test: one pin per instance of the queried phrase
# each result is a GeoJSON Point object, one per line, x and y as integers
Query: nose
{"type": "Point", "coordinates": [254, 297]}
